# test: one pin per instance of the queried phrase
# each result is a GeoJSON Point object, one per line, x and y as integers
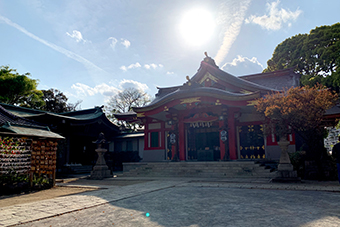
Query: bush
{"type": "Point", "coordinates": [298, 161]}
{"type": "Point", "coordinates": [14, 183]}
{"type": "Point", "coordinates": [323, 169]}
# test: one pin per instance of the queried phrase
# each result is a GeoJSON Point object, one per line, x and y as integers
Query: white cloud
{"type": "Point", "coordinates": [237, 10]}
{"type": "Point", "coordinates": [137, 65]}
{"type": "Point", "coordinates": [153, 65]}
{"type": "Point", "coordinates": [123, 67]}
{"type": "Point", "coordinates": [77, 36]}
{"type": "Point", "coordinates": [243, 59]}
{"type": "Point", "coordinates": [132, 66]}
{"type": "Point", "coordinates": [84, 90]}
{"type": "Point", "coordinates": [134, 84]}
{"type": "Point", "coordinates": [170, 73]}
{"type": "Point", "coordinates": [106, 90]}
{"type": "Point", "coordinates": [113, 42]}
{"type": "Point", "coordinates": [125, 43]}
{"type": "Point", "coordinates": [243, 66]}
{"type": "Point", "coordinates": [276, 17]}
{"type": "Point", "coordinates": [89, 65]}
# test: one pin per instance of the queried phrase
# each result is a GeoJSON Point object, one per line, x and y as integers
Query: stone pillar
{"type": "Point", "coordinates": [285, 172]}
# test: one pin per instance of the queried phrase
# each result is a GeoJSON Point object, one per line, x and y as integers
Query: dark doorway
{"type": "Point", "coordinates": [203, 144]}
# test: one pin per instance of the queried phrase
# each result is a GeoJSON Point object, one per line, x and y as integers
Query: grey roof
{"type": "Point", "coordinates": [335, 110]}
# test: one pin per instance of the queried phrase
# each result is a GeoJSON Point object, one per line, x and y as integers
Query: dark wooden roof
{"type": "Point", "coordinates": [16, 125]}
{"type": "Point", "coordinates": [81, 117]}
{"type": "Point", "coordinates": [8, 117]}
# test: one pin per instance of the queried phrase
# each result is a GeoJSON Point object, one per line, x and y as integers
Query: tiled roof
{"type": "Point", "coordinates": [12, 124]}
{"type": "Point", "coordinates": [7, 117]}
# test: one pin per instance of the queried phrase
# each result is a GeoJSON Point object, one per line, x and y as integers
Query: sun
{"type": "Point", "coordinates": [197, 26]}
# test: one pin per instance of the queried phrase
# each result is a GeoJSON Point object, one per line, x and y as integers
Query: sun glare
{"type": "Point", "coordinates": [197, 26]}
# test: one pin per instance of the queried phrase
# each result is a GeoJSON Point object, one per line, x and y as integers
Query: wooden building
{"type": "Point", "coordinates": [211, 117]}
{"type": "Point", "coordinates": [80, 128]}
{"type": "Point", "coordinates": [26, 147]}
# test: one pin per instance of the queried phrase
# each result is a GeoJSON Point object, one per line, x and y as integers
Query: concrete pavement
{"type": "Point", "coordinates": [184, 202]}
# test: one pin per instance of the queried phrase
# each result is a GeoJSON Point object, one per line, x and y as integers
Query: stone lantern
{"type": "Point", "coordinates": [285, 172]}
{"type": "Point", "coordinates": [100, 170]}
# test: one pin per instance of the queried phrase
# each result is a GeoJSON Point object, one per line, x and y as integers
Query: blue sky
{"type": "Point", "coordinates": [90, 50]}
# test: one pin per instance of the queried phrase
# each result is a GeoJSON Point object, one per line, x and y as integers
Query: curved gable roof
{"type": "Point", "coordinates": [227, 79]}
{"type": "Point", "coordinates": [198, 91]}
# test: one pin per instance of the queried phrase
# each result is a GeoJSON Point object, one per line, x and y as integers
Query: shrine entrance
{"type": "Point", "coordinates": [203, 143]}
{"type": "Point", "coordinates": [251, 142]}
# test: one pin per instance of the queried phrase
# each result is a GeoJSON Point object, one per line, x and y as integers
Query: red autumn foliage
{"type": "Point", "coordinates": [301, 108]}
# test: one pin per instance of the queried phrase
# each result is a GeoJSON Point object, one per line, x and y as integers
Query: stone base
{"type": "Point", "coordinates": [285, 167]}
{"type": "Point", "coordinates": [100, 172]}
{"type": "Point", "coordinates": [286, 176]}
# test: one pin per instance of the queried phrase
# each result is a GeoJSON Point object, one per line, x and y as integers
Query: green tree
{"type": "Point", "coordinates": [56, 102]}
{"type": "Point", "coordinates": [316, 56]}
{"type": "Point", "coordinates": [16, 89]}
{"type": "Point", "coordinates": [123, 102]}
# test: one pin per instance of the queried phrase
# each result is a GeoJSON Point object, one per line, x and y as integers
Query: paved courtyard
{"type": "Point", "coordinates": [184, 202]}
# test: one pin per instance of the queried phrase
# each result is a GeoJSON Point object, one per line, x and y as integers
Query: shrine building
{"type": "Point", "coordinates": [211, 117]}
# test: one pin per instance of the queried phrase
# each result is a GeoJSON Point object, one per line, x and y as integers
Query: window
{"type": "Point", "coordinates": [154, 139]}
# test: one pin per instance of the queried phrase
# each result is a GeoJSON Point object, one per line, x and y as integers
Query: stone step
{"type": "Point", "coordinates": [197, 169]}
{"type": "Point", "coordinates": [222, 169]}
{"type": "Point", "coordinates": [203, 175]}
{"type": "Point", "coordinates": [80, 169]}
{"type": "Point", "coordinates": [202, 169]}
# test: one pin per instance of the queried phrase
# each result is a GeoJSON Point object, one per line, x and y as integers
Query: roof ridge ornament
{"type": "Point", "coordinates": [209, 60]}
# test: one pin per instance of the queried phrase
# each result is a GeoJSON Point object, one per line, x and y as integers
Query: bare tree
{"type": "Point", "coordinates": [123, 102]}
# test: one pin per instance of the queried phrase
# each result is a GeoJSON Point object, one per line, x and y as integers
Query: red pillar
{"type": "Point", "coordinates": [173, 151]}
{"type": "Point", "coordinates": [232, 135]}
{"type": "Point", "coordinates": [222, 144]}
{"type": "Point", "coordinates": [181, 139]}
{"type": "Point", "coordinates": [146, 135]}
